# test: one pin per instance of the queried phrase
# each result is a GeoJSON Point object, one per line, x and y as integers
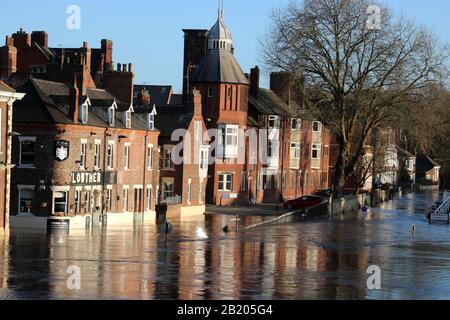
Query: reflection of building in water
{"type": "Point", "coordinates": [4, 262]}
{"type": "Point", "coordinates": [192, 268]}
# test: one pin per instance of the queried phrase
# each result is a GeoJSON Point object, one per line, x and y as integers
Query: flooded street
{"type": "Point", "coordinates": [308, 260]}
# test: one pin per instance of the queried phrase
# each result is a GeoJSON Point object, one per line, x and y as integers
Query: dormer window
{"type": "Point", "coordinates": [151, 121]}
{"type": "Point", "coordinates": [84, 113]}
{"type": "Point", "coordinates": [111, 116]}
{"type": "Point", "coordinates": [128, 118]}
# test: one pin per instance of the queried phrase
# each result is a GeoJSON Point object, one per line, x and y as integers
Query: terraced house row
{"type": "Point", "coordinates": [90, 146]}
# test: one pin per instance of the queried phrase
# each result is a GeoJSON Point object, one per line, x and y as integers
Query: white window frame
{"type": "Point", "coordinates": [149, 157]}
{"type": "Point", "coordinates": [126, 198]}
{"type": "Point", "coordinates": [148, 197]}
{"type": "Point", "coordinates": [298, 121]}
{"type": "Point", "coordinates": [227, 178]}
{"type": "Point", "coordinates": [78, 194]}
{"type": "Point", "coordinates": [110, 157]}
{"type": "Point", "coordinates": [21, 141]}
{"type": "Point", "coordinates": [22, 188]}
{"type": "Point", "coordinates": [276, 122]}
{"type": "Point", "coordinates": [228, 141]}
{"type": "Point", "coordinates": [97, 154]}
{"type": "Point", "coordinates": [83, 153]}
{"type": "Point", "coordinates": [112, 116]}
{"type": "Point", "coordinates": [167, 158]}
{"type": "Point", "coordinates": [316, 147]}
{"type": "Point", "coordinates": [319, 126]}
{"type": "Point", "coordinates": [65, 190]}
{"type": "Point", "coordinates": [126, 156]}
{"type": "Point", "coordinates": [295, 150]}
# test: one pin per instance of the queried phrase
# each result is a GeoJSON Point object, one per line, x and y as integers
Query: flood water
{"type": "Point", "coordinates": [307, 260]}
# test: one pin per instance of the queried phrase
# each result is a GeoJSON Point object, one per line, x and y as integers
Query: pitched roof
{"type": "Point", "coordinates": [5, 87]}
{"type": "Point", "coordinates": [219, 66]}
{"type": "Point", "coordinates": [170, 118]}
{"type": "Point", "coordinates": [159, 95]}
{"type": "Point", "coordinates": [47, 102]}
{"type": "Point", "coordinates": [404, 154]}
{"type": "Point", "coordinates": [425, 163]}
{"type": "Point", "coordinates": [267, 102]}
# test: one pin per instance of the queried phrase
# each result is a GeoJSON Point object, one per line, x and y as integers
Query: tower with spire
{"type": "Point", "coordinates": [224, 88]}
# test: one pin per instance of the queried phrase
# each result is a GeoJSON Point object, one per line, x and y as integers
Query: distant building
{"type": "Point", "coordinates": [427, 173]}
{"type": "Point", "coordinates": [407, 164]}
{"type": "Point", "coordinates": [7, 98]}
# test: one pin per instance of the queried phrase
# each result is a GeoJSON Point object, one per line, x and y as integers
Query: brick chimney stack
{"type": "Point", "coordinates": [40, 38]}
{"type": "Point", "coordinates": [8, 59]}
{"type": "Point", "coordinates": [254, 81]}
{"type": "Point", "coordinates": [73, 101]}
{"type": "Point", "coordinates": [197, 102]}
{"type": "Point", "coordinates": [281, 84]}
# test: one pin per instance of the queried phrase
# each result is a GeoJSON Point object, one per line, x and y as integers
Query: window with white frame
{"type": "Point", "coordinates": [189, 192]}
{"type": "Point", "coordinates": [83, 153]}
{"type": "Point", "coordinates": [316, 151]}
{"type": "Point", "coordinates": [60, 202]}
{"type": "Point", "coordinates": [126, 157]}
{"type": "Point", "coordinates": [97, 154]}
{"type": "Point", "coordinates": [110, 155]}
{"type": "Point", "coordinates": [112, 116]}
{"type": "Point", "coordinates": [274, 122]}
{"type": "Point", "coordinates": [167, 158]}
{"type": "Point", "coordinates": [151, 121]}
{"type": "Point", "coordinates": [84, 116]}
{"type": "Point", "coordinates": [295, 151]}
{"type": "Point", "coordinates": [244, 181]}
{"type": "Point", "coordinates": [168, 189]}
{"type": "Point", "coordinates": [149, 198]}
{"type": "Point", "coordinates": [204, 159]}
{"type": "Point", "coordinates": [228, 140]}
{"type": "Point", "coordinates": [317, 126]}
{"type": "Point", "coordinates": [87, 200]}
{"type": "Point", "coordinates": [126, 199]}
{"type": "Point", "coordinates": [77, 201]}
{"type": "Point", "coordinates": [150, 157]}
{"type": "Point", "coordinates": [26, 199]}
{"type": "Point", "coordinates": [225, 182]}
{"type": "Point", "coordinates": [128, 118]}
{"type": "Point", "coordinates": [27, 151]}
{"type": "Point", "coordinates": [296, 124]}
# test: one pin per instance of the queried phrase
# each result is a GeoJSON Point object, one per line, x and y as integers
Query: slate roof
{"type": "Point", "coordinates": [5, 87]}
{"type": "Point", "coordinates": [267, 102]}
{"type": "Point", "coordinates": [404, 154]}
{"type": "Point", "coordinates": [425, 163]}
{"type": "Point", "coordinates": [219, 66]}
{"type": "Point", "coordinates": [169, 118]}
{"type": "Point", "coordinates": [159, 95]}
{"type": "Point", "coordinates": [47, 102]}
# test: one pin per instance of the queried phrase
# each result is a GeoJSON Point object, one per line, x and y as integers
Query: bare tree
{"type": "Point", "coordinates": [355, 72]}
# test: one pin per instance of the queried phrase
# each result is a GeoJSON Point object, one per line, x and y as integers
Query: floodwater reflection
{"type": "Point", "coordinates": [308, 260]}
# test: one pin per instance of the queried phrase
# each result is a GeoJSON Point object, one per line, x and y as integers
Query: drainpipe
{"type": "Point", "coordinates": [144, 190]}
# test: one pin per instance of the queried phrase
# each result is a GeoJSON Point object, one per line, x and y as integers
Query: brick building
{"type": "Point", "coordinates": [253, 146]}
{"type": "Point", "coordinates": [183, 181]}
{"type": "Point", "coordinates": [7, 97]}
{"type": "Point", "coordinates": [80, 150]}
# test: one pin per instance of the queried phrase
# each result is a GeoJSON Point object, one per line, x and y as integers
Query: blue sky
{"type": "Point", "coordinates": [148, 33]}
